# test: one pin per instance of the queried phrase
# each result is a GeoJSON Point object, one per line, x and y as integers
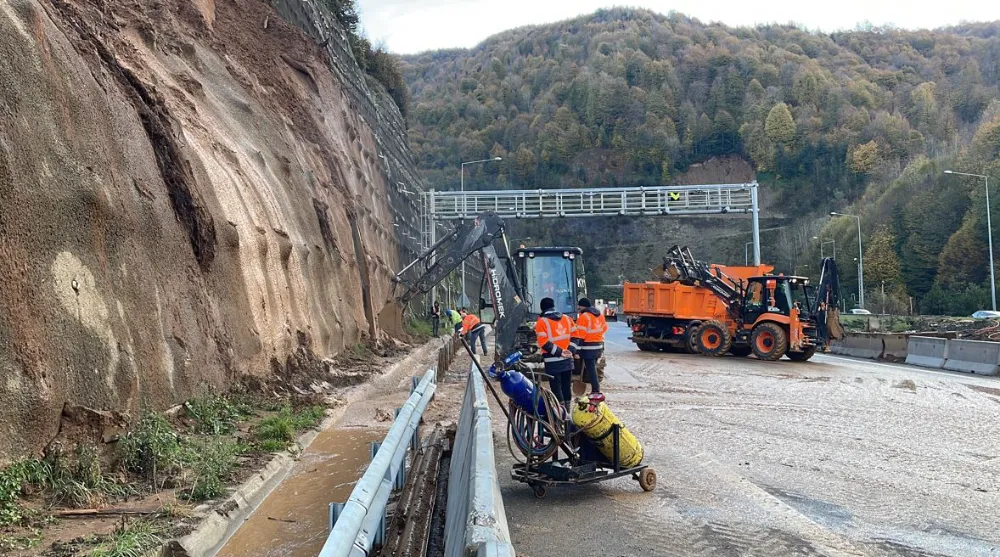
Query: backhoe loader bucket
{"type": "Point", "coordinates": [392, 320]}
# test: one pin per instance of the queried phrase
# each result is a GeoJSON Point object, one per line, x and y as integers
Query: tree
{"type": "Point", "coordinates": [780, 126]}
{"type": "Point", "coordinates": [864, 158]}
{"type": "Point", "coordinates": [881, 260]}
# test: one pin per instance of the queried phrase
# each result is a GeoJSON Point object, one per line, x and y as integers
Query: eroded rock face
{"type": "Point", "coordinates": [184, 194]}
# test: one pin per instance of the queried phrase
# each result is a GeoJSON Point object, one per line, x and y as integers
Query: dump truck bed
{"type": "Point", "coordinates": [680, 301]}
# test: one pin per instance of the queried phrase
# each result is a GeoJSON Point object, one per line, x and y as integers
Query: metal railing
{"type": "Point", "coordinates": [592, 202]}
{"type": "Point", "coordinates": [475, 523]}
{"type": "Point", "coordinates": [360, 522]}
{"type": "Point", "coordinates": [696, 200]}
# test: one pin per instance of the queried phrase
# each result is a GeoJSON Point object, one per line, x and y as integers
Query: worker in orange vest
{"type": "Point", "coordinates": [473, 328]}
{"type": "Point", "coordinates": [589, 337]}
{"type": "Point", "coordinates": [555, 333]}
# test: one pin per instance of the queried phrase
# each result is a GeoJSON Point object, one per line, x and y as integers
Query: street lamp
{"type": "Point", "coordinates": [823, 243]}
{"type": "Point", "coordinates": [861, 260]}
{"type": "Point", "coordinates": [465, 205]}
{"type": "Point", "coordinates": [989, 230]}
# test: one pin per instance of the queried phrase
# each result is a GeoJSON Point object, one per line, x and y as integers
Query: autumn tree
{"type": "Point", "coordinates": [881, 259]}
{"type": "Point", "coordinates": [779, 126]}
{"type": "Point", "coordinates": [863, 158]}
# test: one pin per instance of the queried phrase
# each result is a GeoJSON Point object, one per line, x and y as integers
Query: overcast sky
{"type": "Point", "coordinates": [409, 26]}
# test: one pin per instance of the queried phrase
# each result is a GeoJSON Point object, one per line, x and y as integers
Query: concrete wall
{"type": "Point", "coordinates": [188, 193]}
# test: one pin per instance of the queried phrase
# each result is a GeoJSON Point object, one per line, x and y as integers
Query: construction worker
{"type": "Point", "coordinates": [589, 337]}
{"type": "Point", "coordinates": [436, 318]}
{"type": "Point", "coordinates": [555, 333]}
{"type": "Point", "coordinates": [473, 328]}
{"type": "Point", "coordinates": [454, 319]}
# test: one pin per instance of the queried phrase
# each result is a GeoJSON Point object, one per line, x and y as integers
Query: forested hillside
{"type": "Point", "coordinates": [862, 121]}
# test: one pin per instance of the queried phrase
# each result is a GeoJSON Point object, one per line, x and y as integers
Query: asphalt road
{"type": "Point", "coordinates": [829, 457]}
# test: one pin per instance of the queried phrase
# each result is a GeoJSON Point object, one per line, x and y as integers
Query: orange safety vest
{"type": "Point", "coordinates": [590, 329]}
{"type": "Point", "coordinates": [470, 323]}
{"type": "Point", "coordinates": [559, 332]}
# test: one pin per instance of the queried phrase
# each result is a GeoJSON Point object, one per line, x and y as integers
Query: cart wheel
{"type": "Point", "coordinates": [539, 491]}
{"type": "Point", "coordinates": [647, 479]}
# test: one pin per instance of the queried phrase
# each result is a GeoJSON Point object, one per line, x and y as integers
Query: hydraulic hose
{"type": "Point", "coordinates": [536, 436]}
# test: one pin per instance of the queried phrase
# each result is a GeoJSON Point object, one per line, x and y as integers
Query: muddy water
{"type": "Point", "coordinates": [292, 521]}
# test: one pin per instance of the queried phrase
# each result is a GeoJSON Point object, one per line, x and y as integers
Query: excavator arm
{"type": "Point", "coordinates": [484, 238]}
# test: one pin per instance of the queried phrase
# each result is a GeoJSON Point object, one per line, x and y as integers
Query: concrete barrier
{"type": "Point", "coordinates": [973, 356]}
{"type": "Point", "coordinates": [927, 351]}
{"type": "Point", "coordinates": [894, 347]}
{"type": "Point", "coordinates": [858, 345]}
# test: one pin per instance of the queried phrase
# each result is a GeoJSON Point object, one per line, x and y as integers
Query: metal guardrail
{"type": "Point", "coordinates": [475, 523]}
{"type": "Point", "coordinates": [359, 523]}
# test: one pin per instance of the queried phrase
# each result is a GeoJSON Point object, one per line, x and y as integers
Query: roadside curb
{"type": "Point", "coordinates": [214, 530]}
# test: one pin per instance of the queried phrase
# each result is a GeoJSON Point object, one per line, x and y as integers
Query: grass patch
{"type": "Point", "coordinates": [20, 542]}
{"type": "Point", "coordinates": [14, 481]}
{"type": "Point", "coordinates": [216, 415]}
{"type": "Point", "coordinates": [419, 328]}
{"type": "Point", "coordinates": [275, 433]}
{"type": "Point", "coordinates": [129, 540]}
{"type": "Point", "coordinates": [212, 464]}
{"type": "Point", "coordinates": [152, 449]}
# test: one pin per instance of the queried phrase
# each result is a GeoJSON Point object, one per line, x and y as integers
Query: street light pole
{"type": "Point", "coordinates": [465, 209]}
{"type": "Point", "coordinates": [989, 231]}
{"type": "Point", "coordinates": [861, 260]}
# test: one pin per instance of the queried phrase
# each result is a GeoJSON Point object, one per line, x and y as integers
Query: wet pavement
{"type": "Point", "coordinates": [829, 457]}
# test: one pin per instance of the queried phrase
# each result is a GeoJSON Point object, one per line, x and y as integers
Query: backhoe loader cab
{"type": "Point", "coordinates": [775, 318]}
{"type": "Point", "coordinates": [551, 272]}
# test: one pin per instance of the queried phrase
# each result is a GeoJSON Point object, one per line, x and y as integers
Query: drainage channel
{"type": "Point", "coordinates": [294, 519]}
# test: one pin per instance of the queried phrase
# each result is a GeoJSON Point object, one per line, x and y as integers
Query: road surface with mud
{"type": "Point", "coordinates": [830, 457]}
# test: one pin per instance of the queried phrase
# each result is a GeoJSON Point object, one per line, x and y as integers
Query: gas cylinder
{"type": "Point", "coordinates": [521, 390]}
{"type": "Point", "coordinates": [595, 419]}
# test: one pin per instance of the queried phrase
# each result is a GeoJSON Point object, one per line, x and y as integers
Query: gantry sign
{"type": "Point", "coordinates": [698, 200]}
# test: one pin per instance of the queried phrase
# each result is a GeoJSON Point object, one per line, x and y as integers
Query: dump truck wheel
{"type": "Point", "coordinates": [714, 339]}
{"type": "Point", "coordinates": [802, 356]}
{"type": "Point", "coordinates": [741, 351]}
{"type": "Point", "coordinates": [769, 341]}
{"type": "Point", "coordinates": [646, 347]}
{"type": "Point", "coordinates": [691, 338]}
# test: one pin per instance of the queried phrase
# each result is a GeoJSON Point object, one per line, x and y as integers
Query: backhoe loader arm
{"type": "Point", "coordinates": [484, 236]}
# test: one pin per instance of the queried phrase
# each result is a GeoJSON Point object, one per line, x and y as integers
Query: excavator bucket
{"type": "Point", "coordinates": [392, 320]}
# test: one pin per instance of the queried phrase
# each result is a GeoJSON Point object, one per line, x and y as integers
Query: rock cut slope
{"type": "Point", "coordinates": [186, 196]}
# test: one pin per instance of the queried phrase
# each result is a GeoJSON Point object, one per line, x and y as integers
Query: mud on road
{"type": "Point", "coordinates": [830, 457]}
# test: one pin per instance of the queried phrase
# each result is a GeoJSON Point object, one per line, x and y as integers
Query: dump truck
{"type": "Point", "coordinates": [717, 310]}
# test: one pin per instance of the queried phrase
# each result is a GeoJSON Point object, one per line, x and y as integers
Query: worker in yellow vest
{"type": "Point", "coordinates": [589, 336]}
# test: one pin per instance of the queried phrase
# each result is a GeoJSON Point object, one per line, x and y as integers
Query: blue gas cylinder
{"type": "Point", "coordinates": [521, 390]}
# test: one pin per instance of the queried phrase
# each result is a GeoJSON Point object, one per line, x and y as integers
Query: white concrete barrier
{"type": "Point", "coordinates": [973, 356]}
{"type": "Point", "coordinates": [858, 345]}
{"type": "Point", "coordinates": [927, 351]}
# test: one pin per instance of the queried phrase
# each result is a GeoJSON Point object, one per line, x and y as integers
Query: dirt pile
{"type": "Point", "coordinates": [185, 191]}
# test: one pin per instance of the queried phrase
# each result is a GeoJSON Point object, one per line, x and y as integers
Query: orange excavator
{"type": "Point", "coordinates": [717, 310]}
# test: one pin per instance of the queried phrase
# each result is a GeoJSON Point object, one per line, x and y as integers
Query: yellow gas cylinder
{"type": "Point", "coordinates": [596, 420]}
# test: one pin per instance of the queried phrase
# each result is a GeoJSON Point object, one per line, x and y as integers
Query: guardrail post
{"type": "Point", "coordinates": [414, 381]}
{"type": "Point", "coordinates": [376, 445]}
{"type": "Point", "coordinates": [335, 510]}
